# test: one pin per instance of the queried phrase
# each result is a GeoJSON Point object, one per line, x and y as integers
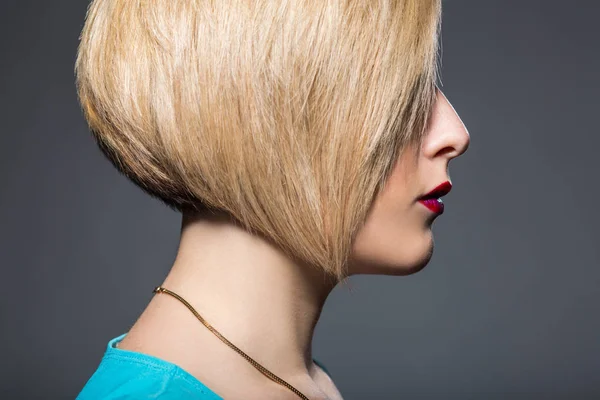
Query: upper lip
{"type": "Point", "coordinates": [440, 190]}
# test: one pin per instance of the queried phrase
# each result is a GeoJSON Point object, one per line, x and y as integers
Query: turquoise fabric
{"type": "Point", "coordinates": [124, 374]}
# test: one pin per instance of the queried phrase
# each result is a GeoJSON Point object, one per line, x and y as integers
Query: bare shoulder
{"type": "Point", "coordinates": [325, 382]}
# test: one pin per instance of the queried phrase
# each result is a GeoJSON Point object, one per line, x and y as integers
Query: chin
{"type": "Point", "coordinates": [397, 264]}
{"type": "Point", "coordinates": [419, 265]}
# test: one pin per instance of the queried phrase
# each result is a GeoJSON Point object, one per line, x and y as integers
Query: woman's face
{"type": "Point", "coordinates": [396, 238]}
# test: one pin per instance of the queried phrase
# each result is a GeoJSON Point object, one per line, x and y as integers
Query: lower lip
{"type": "Point", "coordinates": [435, 205]}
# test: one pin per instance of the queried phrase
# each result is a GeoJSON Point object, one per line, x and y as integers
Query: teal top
{"type": "Point", "coordinates": [125, 374]}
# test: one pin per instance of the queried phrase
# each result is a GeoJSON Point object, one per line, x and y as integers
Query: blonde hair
{"type": "Point", "coordinates": [288, 115]}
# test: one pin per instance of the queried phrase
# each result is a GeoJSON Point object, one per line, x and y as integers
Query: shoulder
{"type": "Point", "coordinates": [320, 364]}
{"type": "Point", "coordinates": [126, 374]}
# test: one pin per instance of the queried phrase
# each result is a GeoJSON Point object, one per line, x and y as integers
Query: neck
{"type": "Point", "coordinates": [258, 298]}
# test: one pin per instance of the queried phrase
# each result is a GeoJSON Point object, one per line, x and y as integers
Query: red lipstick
{"type": "Point", "coordinates": [433, 201]}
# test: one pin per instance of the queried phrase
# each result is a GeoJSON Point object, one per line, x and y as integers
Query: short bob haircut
{"type": "Point", "coordinates": [286, 114]}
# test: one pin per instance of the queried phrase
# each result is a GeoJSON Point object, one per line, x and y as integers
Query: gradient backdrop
{"type": "Point", "coordinates": [508, 307]}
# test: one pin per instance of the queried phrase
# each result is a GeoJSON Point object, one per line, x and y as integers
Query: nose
{"type": "Point", "coordinates": [447, 135]}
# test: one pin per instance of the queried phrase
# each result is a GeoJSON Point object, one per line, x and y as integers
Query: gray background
{"type": "Point", "coordinates": [507, 308]}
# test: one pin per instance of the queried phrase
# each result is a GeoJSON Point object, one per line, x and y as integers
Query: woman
{"type": "Point", "coordinates": [303, 142]}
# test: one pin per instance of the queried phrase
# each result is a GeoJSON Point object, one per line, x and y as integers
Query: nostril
{"type": "Point", "coordinates": [446, 151]}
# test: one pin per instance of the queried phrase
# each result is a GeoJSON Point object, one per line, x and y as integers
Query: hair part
{"type": "Point", "coordinates": [288, 115]}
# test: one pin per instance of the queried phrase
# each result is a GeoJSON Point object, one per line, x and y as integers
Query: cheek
{"type": "Point", "coordinates": [394, 240]}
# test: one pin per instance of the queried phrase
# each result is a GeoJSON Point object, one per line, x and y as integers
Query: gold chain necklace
{"type": "Point", "coordinates": [263, 370]}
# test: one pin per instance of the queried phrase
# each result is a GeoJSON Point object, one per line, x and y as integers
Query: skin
{"type": "Point", "coordinates": [269, 305]}
{"type": "Point", "coordinates": [396, 216]}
